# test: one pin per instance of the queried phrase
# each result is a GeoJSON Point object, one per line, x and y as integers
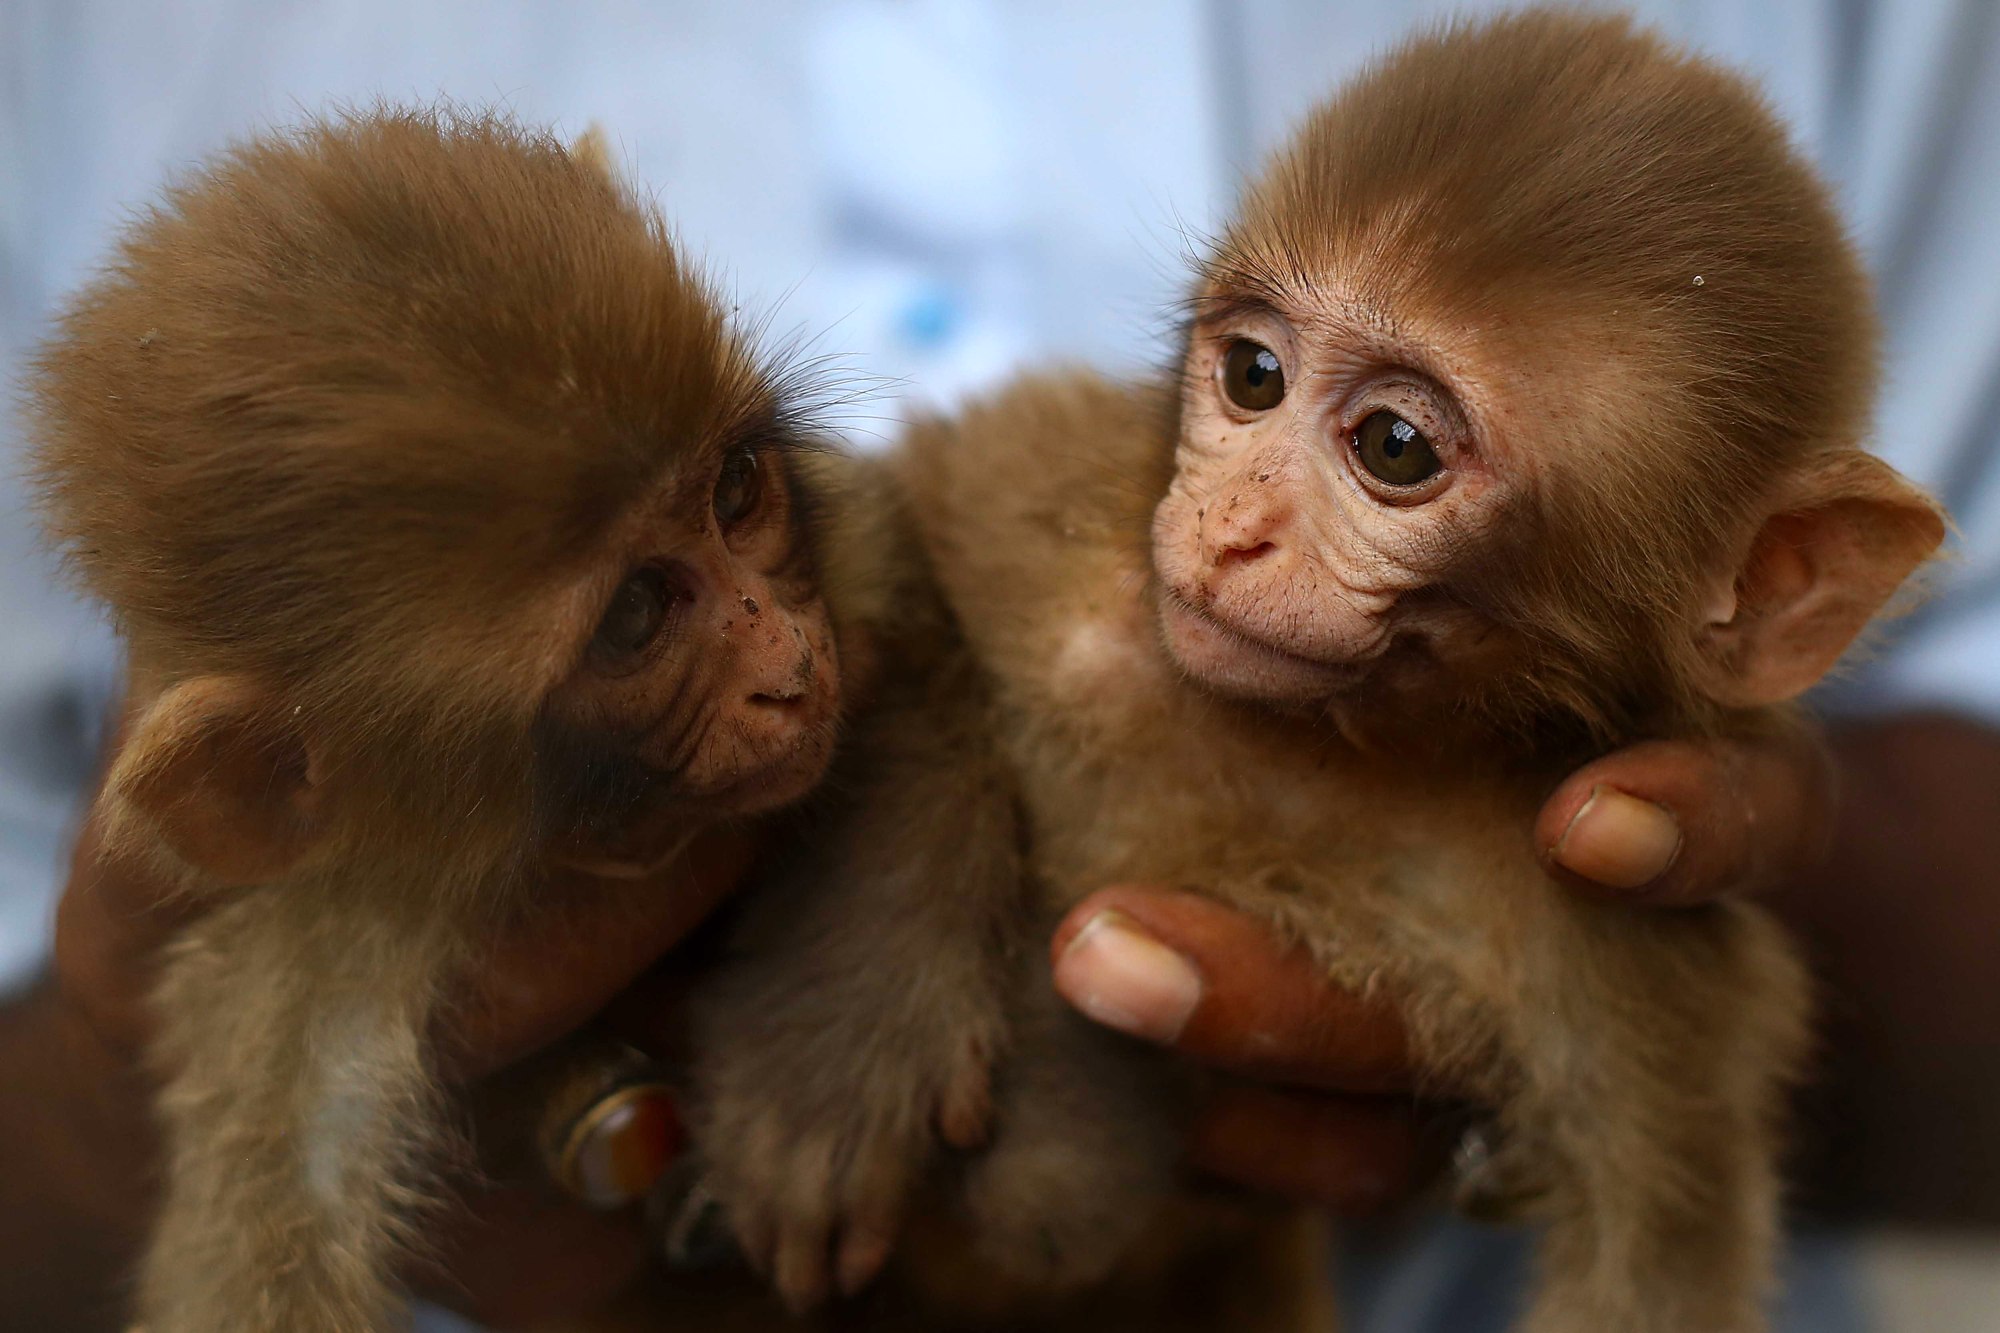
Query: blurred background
{"type": "Point", "coordinates": [942, 190]}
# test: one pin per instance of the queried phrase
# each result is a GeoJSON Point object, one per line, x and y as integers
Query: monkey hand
{"type": "Point", "coordinates": [509, 1252]}
{"type": "Point", "coordinates": [1321, 1108]}
{"type": "Point", "coordinates": [815, 1131]}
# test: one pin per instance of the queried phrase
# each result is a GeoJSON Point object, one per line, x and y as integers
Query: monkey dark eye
{"type": "Point", "coordinates": [739, 487]}
{"type": "Point", "coordinates": [1394, 451]}
{"type": "Point", "coordinates": [633, 620]}
{"type": "Point", "coordinates": [1252, 377]}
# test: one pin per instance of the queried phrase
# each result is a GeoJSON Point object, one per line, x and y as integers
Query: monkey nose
{"type": "Point", "coordinates": [1240, 532]}
{"type": "Point", "coordinates": [793, 688]}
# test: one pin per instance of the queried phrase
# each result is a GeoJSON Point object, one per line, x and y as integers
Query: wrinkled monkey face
{"type": "Point", "coordinates": [708, 683]}
{"type": "Point", "coordinates": [1327, 470]}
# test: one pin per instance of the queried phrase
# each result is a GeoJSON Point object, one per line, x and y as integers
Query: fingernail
{"type": "Point", "coordinates": [1117, 975]}
{"type": "Point", "coordinates": [1618, 840]}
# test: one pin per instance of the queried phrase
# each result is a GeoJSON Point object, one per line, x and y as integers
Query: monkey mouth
{"type": "Point", "coordinates": [781, 779]}
{"type": "Point", "coordinates": [779, 770]}
{"type": "Point", "coordinates": [1232, 661]}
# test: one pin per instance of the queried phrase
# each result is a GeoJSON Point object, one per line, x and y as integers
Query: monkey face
{"type": "Point", "coordinates": [708, 682]}
{"type": "Point", "coordinates": [1326, 471]}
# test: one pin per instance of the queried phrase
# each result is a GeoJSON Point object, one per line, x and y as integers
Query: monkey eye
{"type": "Point", "coordinates": [1252, 377]}
{"type": "Point", "coordinates": [739, 487]}
{"type": "Point", "coordinates": [633, 620]}
{"type": "Point", "coordinates": [1394, 451]}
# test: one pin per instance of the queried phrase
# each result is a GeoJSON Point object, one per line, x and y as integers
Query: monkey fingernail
{"type": "Point", "coordinates": [1117, 975]}
{"type": "Point", "coordinates": [1619, 841]}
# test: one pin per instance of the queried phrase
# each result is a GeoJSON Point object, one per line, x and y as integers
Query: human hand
{"type": "Point", "coordinates": [1319, 1104]}
{"type": "Point", "coordinates": [514, 1251]}
{"type": "Point", "coordinates": [1681, 822]}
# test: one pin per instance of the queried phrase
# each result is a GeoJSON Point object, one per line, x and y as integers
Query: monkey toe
{"type": "Point", "coordinates": [863, 1253]}
{"type": "Point", "coordinates": [965, 1109]}
{"type": "Point", "coordinates": [800, 1270]}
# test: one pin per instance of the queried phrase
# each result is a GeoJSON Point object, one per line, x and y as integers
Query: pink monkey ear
{"type": "Point", "coordinates": [1839, 544]}
{"type": "Point", "coordinates": [224, 777]}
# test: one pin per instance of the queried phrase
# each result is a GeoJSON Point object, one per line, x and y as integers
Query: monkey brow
{"type": "Point", "coordinates": [1244, 290]}
{"type": "Point", "coordinates": [1232, 306]}
{"type": "Point", "coordinates": [773, 421]}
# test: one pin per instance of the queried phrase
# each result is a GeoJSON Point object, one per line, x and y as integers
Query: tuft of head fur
{"type": "Point", "coordinates": [1572, 183]}
{"type": "Point", "coordinates": [352, 398]}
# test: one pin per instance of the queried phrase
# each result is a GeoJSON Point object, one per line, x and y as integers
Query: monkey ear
{"type": "Point", "coordinates": [592, 148]}
{"type": "Point", "coordinates": [1838, 546]}
{"type": "Point", "coordinates": [225, 778]}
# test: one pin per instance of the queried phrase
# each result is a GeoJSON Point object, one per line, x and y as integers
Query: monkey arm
{"type": "Point", "coordinates": [304, 1116]}
{"type": "Point", "coordinates": [863, 1001]}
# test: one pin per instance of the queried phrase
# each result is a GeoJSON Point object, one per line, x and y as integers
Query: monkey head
{"type": "Point", "coordinates": [1528, 387]}
{"type": "Point", "coordinates": [440, 506]}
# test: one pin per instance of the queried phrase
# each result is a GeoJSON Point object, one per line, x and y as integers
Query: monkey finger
{"type": "Point", "coordinates": [1356, 1155]}
{"type": "Point", "coordinates": [877, 1184]}
{"type": "Point", "coordinates": [1215, 984]}
{"type": "Point", "coordinates": [557, 970]}
{"type": "Point", "coordinates": [801, 1181]}
{"type": "Point", "coordinates": [1675, 822]}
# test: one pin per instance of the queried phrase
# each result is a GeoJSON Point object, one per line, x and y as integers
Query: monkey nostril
{"type": "Point", "coordinates": [1243, 554]}
{"type": "Point", "coordinates": [792, 691]}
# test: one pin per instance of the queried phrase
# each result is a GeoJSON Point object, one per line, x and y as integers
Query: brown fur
{"type": "Point", "coordinates": [356, 437]}
{"type": "Point", "coordinates": [1678, 533]}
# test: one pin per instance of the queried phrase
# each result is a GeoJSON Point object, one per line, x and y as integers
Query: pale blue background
{"type": "Point", "coordinates": [943, 191]}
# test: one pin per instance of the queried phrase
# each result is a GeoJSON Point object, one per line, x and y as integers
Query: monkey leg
{"type": "Point", "coordinates": [298, 1107]}
{"type": "Point", "coordinates": [1660, 1128]}
{"type": "Point", "coordinates": [1659, 1247]}
{"type": "Point", "coordinates": [1086, 1150]}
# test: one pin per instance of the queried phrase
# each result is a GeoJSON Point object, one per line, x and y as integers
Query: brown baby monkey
{"type": "Point", "coordinates": [1520, 417]}
{"type": "Point", "coordinates": [456, 537]}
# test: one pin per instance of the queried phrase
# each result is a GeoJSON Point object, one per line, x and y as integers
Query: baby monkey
{"type": "Point", "coordinates": [1519, 417]}
{"type": "Point", "coordinates": [456, 539]}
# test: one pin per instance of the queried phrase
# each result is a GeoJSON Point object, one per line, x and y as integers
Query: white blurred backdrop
{"type": "Point", "coordinates": [942, 190]}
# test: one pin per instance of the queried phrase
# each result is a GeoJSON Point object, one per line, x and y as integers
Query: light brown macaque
{"type": "Point", "coordinates": [457, 540]}
{"type": "Point", "coordinates": [1520, 417]}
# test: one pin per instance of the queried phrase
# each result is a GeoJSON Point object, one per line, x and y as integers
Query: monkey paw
{"type": "Point", "coordinates": [814, 1175]}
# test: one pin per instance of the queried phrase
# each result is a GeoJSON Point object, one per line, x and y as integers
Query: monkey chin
{"type": "Point", "coordinates": [782, 779]}
{"type": "Point", "coordinates": [1231, 662]}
